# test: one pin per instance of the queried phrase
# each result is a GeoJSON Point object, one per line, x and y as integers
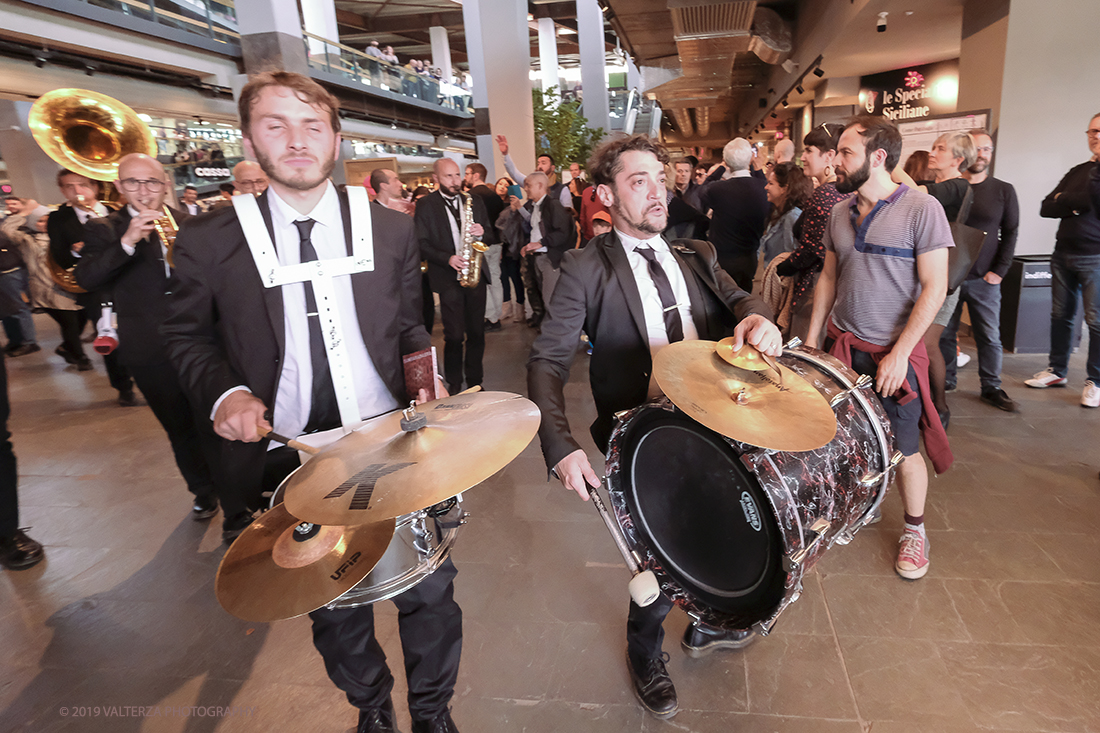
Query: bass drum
{"type": "Point", "coordinates": [421, 542]}
{"type": "Point", "coordinates": [730, 529]}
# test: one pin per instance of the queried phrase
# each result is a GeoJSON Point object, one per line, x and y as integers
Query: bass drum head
{"type": "Point", "coordinates": [702, 514]}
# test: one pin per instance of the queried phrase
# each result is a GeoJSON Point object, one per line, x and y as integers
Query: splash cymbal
{"type": "Point", "coordinates": [748, 405]}
{"type": "Point", "coordinates": [281, 567]}
{"type": "Point", "coordinates": [382, 472]}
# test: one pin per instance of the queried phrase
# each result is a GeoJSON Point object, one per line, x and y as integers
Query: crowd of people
{"type": "Point", "coordinates": [635, 250]}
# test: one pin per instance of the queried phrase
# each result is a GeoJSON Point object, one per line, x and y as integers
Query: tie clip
{"type": "Point", "coordinates": [672, 307]}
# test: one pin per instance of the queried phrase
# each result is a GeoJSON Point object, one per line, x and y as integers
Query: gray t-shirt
{"type": "Point", "coordinates": [876, 278]}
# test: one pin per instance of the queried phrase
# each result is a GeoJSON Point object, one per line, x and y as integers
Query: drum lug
{"type": "Point", "coordinates": [873, 478]}
{"type": "Point", "coordinates": [464, 518]}
{"type": "Point", "coordinates": [794, 343]}
{"type": "Point", "coordinates": [793, 562]}
{"type": "Point", "coordinates": [863, 382]}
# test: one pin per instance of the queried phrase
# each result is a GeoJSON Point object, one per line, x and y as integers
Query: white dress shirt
{"type": "Point", "coordinates": [456, 233]}
{"type": "Point", "coordinates": [192, 209]}
{"type": "Point", "coordinates": [652, 308]}
{"type": "Point", "coordinates": [536, 224]}
{"type": "Point", "coordinates": [294, 396]}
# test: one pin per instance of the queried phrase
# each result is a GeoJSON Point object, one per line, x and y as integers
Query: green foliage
{"type": "Point", "coordinates": [561, 130]}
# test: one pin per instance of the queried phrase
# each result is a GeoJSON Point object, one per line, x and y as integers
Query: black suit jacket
{"type": "Point", "coordinates": [225, 329]}
{"type": "Point", "coordinates": [433, 232]}
{"type": "Point", "coordinates": [493, 206]}
{"type": "Point", "coordinates": [138, 284]}
{"type": "Point", "coordinates": [741, 212]}
{"type": "Point", "coordinates": [597, 293]}
{"type": "Point", "coordinates": [556, 223]}
{"type": "Point", "coordinates": [65, 230]}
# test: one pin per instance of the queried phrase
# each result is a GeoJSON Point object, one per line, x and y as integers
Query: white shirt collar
{"type": "Point", "coordinates": [740, 174]}
{"type": "Point", "coordinates": [539, 202]}
{"type": "Point", "coordinates": [656, 242]}
{"type": "Point", "coordinates": [326, 212]}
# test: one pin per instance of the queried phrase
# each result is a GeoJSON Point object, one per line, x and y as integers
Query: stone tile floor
{"type": "Point", "coordinates": [1002, 635]}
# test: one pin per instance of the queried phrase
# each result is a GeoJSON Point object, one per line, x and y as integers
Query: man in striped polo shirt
{"type": "Point", "coordinates": [884, 280]}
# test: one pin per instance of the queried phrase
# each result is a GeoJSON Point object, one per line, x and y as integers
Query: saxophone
{"type": "Point", "coordinates": [472, 251]}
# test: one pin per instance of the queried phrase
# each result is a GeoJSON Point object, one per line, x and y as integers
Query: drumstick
{"type": "Point", "coordinates": [643, 587]}
{"type": "Point", "coordinates": [290, 442]}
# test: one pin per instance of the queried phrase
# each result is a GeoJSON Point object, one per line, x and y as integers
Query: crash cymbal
{"type": "Point", "coordinates": [747, 357]}
{"type": "Point", "coordinates": [751, 406]}
{"type": "Point", "coordinates": [281, 567]}
{"type": "Point", "coordinates": [381, 472]}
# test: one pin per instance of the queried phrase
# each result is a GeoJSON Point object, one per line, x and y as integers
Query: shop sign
{"type": "Point", "coordinates": [912, 92]}
{"type": "Point", "coordinates": [212, 172]}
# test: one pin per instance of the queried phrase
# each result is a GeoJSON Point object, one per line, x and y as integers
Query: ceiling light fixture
{"type": "Point", "coordinates": [819, 72]}
{"type": "Point", "coordinates": [799, 89]}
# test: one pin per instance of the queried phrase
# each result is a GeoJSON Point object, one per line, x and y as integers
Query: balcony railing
{"type": "Point", "coordinates": [336, 58]}
{"type": "Point", "coordinates": [213, 19]}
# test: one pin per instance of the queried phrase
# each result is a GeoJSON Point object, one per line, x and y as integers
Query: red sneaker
{"type": "Point", "coordinates": [912, 560]}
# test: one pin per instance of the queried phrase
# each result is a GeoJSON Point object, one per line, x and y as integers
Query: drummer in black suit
{"type": "Point", "coordinates": [124, 254]}
{"type": "Point", "coordinates": [243, 349]}
{"type": "Point", "coordinates": [633, 293]}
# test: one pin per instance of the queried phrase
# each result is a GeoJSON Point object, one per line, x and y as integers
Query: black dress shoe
{"type": "Point", "coordinates": [24, 349]}
{"type": "Point", "coordinates": [377, 720]}
{"type": "Point", "coordinates": [127, 398]}
{"type": "Point", "coordinates": [997, 397]}
{"type": "Point", "coordinates": [65, 354]}
{"type": "Point", "coordinates": [234, 525]}
{"type": "Point", "coordinates": [84, 365]}
{"type": "Point", "coordinates": [204, 507]}
{"type": "Point", "coordinates": [701, 639]}
{"type": "Point", "coordinates": [19, 552]}
{"type": "Point", "coordinates": [439, 724]}
{"type": "Point", "coordinates": [492, 326]}
{"type": "Point", "coordinates": [653, 686]}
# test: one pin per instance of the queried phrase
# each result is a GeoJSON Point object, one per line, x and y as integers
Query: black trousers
{"type": "Point", "coordinates": [72, 325]}
{"type": "Point", "coordinates": [645, 632]}
{"type": "Point", "coordinates": [194, 451]}
{"type": "Point", "coordinates": [9, 478]}
{"type": "Point", "coordinates": [741, 267]}
{"type": "Point", "coordinates": [428, 299]}
{"type": "Point", "coordinates": [429, 624]}
{"type": "Point", "coordinates": [463, 313]}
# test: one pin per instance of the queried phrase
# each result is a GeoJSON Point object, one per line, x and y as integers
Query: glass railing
{"type": "Point", "coordinates": [335, 58]}
{"type": "Point", "coordinates": [214, 19]}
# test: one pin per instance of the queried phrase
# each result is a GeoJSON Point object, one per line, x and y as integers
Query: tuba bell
{"type": "Point", "coordinates": [87, 133]}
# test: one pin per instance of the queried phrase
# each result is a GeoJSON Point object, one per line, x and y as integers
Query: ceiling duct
{"type": "Point", "coordinates": [696, 20]}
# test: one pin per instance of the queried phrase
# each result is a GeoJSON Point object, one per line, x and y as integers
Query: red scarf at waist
{"type": "Point", "coordinates": [931, 429]}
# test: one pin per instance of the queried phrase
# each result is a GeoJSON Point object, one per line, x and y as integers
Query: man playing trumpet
{"type": "Point", "coordinates": [124, 252]}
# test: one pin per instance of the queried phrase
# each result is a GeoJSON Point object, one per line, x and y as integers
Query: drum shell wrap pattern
{"type": "Point", "coordinates": [801, 487]}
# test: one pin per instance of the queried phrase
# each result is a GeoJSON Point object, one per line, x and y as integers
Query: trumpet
{"type": "Point", "coordinates": [167, 229]}
{"type": "Point", "coordinates": [472, 251]}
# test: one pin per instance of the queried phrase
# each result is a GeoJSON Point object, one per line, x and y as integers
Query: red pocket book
{"type": "Point", "coordinates": [420, 370]}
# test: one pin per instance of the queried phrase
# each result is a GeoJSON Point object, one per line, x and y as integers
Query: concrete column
{"type": "Point", "coordinates": [633, 75]}
{"type": "Point", "coordinates": [548, 54]}
{"type": "Point", "coordinates": [593, 66]}
{"type": "Point", "coordinates": [500, 74]}
{"type": "Point", "coordinates": [1033, 151]}
{"type": "Point", "coordinates": [271, 36]}
{"type": "Point", "coordinates": [32, 172]}
{"type": "Point", "coordinates": [319, 18]}
{"type": "Point", "coordinates": [441, 51]}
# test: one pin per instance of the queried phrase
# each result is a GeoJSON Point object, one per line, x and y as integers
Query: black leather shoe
{"type": "Point", "coordinates": [377, 720]}
{"type": "Point", "coordinates": [492, 326]}
{"type": "Point", "coordinates": [439, 724]}
{"type": "Point", "coordinates": [653, 687]}
{"type": "Point", "coordinates": [84, 364]}
{"type": "Point", "coordinates": [999, 399]}
{"type": "Point", "coordinates": [24, 349]}
{"type": "Point", "coordinates": [128, 399]}
{"type": "Point", "coordinates": [234, 525]}
{"type": "Point", "coordinates": [700, 639]}
{"type": "Point", "coordinates": [64, 354]}
{"type": "Point", "coordinates": [19, 552]}
{"type": "Point", "coordinates": [204, 507]}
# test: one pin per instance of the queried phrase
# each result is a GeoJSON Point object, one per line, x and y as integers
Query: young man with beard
{"type": "Point", "coordinates": [884, 280]}
{"type": "Point", "coordinates": [123, 253]}
{"type": "Point", "coordinates": [633, 294]}
{"type": "Point", "coordinates": [997, 213]}
{"type": "Point", "coordinates": [243, 349]}
{"type": "Point", "coordinates": [439, 220]}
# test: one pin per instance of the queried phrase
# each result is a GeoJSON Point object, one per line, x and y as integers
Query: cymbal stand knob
{"type": "Point", "coordinates": [411, 420]}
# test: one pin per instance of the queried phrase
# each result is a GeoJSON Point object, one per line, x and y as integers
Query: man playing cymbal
{"type": "Point", "coordinates": [244, 350]}
{"type": "Point", "coordinates": [681, 293]}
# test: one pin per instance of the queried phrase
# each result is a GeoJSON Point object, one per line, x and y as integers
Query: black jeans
{"type": "Point", "coordinates": [645, 632]}
{"type": "Point", "coordinates": [9, 478]}
{"type": "Point", "coordinates": [72, 325]}
{"type": "Point", "coordinates": [509, 278]}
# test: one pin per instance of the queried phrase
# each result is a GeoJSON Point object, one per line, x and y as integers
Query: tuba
{"type": "Point", "coordinates": [472, 251]}
{"type": "Point", "coordinates": [87, 133]}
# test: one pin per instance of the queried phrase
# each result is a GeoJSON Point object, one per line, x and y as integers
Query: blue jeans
{"type": "Point", "coordinates": [19, 326]}
{"type": "Point", "coordinates": [1074, 275]}
{"type": "Point", "coordinates": [983, 300]}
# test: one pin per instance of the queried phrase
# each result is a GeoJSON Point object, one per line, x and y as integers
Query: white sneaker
{"type": "Point", "coordinates": [1091, 396]}
{"type": "Point", "coordinates": [962, 360]}
{"type": "Point", "coordinates": [1044, 379]}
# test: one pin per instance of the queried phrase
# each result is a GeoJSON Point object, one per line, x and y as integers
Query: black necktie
{"type": "Point", "coordinates": [324, 413]}
{"type": "Point", "coordinates": [452, 206]}
{"type": "Point", "coordinates": [673, 326]}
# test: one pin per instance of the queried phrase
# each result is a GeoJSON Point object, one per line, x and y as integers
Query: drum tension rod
{"type": "Point", "coordinates": [863, 382]}
{"type": "Point", "coordinates": [794, 562]}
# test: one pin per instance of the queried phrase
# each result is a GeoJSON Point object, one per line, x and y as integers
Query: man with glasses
{"type": "Point", "coordinates": [65, 228]}
{"type": "Point", "coordinates": [249, 177]}
{"type": "Point", "coordinates": [1075, 265]}
{"type": "Point", "coordinates": [996, 212]}
{"type": "Point", "coordinates": [123, 252]}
